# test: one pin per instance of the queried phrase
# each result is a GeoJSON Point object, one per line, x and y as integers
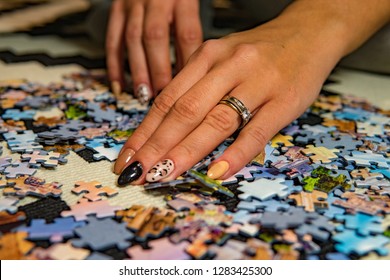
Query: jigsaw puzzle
{"type": "Point", "coordinates": [320, 189]}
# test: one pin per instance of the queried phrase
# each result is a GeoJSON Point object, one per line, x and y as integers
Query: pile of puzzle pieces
{"type": "Point", "coordinates": [319, 190]}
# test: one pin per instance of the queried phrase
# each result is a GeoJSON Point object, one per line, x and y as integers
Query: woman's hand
{"type": "Point", "coordinates": [276, 70]}
{"type": "Point", "coordinates": [144, 28]}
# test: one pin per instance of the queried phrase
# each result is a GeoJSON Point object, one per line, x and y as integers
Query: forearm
{"type": "Point", "coordinates": [346, 23]}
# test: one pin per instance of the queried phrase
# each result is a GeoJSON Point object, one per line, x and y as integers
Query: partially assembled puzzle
{"type": "Point", "coordinates": [319, 190]}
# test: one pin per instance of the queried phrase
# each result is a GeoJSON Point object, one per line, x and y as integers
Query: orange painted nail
{"type": "Point", "coordinates": [218, 169]}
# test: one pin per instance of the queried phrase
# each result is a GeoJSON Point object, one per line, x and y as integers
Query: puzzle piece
{"type": "Point", "coordinates": [61, 251]}
{"type": "Point", "coordinates": [4, 162]}
{"type": "Point", "coordinates": [370, 129]}
{"type": "Point", "coordinates": [103, 115]}
{"type": "Point", "coordinates": [311, 201]}
{"type": "Point", "coordinates": [18, 169]}
{"type": "Point", "coordinates": [207, 182]}
{"type": "Point", "coordinates": [99, 208]}
{"type": "Point", "coordinates": [350, 242]}
{"type": "Point", "coordinates": [55, 232]}
{"type": "Point", "coordinates": [14, 246]}
{"type": "Point", "coordinates": [246, 173]}
{"type": "Point", "coordinates": [361, 203]}
{"type": "Point", "coordinates": [232, 250]}
{"type": "Point", "coordinates": [161, 249]}
{"type": "Point", "coordinates": [29, 185]}
{"type": "Point", "coordinates": [8, 204]}
{"type": "Point", "coordinates": [320, 154]}
{"type": "Point", "coordinates": [22, 142]}
{"type": "Point", "coordinates": [318, 227]}
{"type": "Point", "coordinates": [17, 115]}
{"type": "Point", "coordinates": [93, 191]}
{"type": "Point", "coordinates": [147, 222]}
{"type": "Point", "coordinates": [279, 221]}
{"type": "Point", "coordinates": [37, 158]}
{"type": "Point", "coordinates": [368, 159]}
{"type": "Point", "coordinates": [321, 180]}
{"type": "Point", "coordinates": [101, 234]}
{"type": "Point", "coordinates": [363, 224]}
{"type": "Point", "coordinates": [281, 140]}
{"type": "Point", "coordinates": [263, 189]}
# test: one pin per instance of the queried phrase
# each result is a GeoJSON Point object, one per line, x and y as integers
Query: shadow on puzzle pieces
{"type": "Point", "coordinates": [101, 234]}
{"type": "Point", "coordinates": [58, 230]}
{"type": "Point", "coordinates": [350, 242]}
{"type": "Point", "coordinates": [161, 249]}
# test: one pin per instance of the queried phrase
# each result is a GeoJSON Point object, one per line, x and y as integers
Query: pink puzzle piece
{"type": "Point", "coordinates": [93, 191]}
{"type": "Point", "coordinates": [81, 210]}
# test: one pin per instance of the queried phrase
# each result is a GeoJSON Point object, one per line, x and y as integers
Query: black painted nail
{"type": "Point", "coordinates": [130, 173]}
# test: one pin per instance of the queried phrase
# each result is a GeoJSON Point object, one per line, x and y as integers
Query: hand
{"type": "Point", "coordinates": [143, 27]}
{"type": "Point", "coordinates": [276, 70]}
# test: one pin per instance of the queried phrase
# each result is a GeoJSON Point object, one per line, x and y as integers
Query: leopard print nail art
{"type": "Point", "coordinates": [160, 171]}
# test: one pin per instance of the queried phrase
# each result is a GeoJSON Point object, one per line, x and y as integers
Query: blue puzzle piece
{"type": "Point", "coordinates": [363, 224]}
{"type": "Point", "coordinates": [17, 115]}
{"type": "Point", "coordinates": [55, 232]}
{"type": "Point", "coordinates": [271, 205]}
{"type": "Point", "coordinates": [350, 242]}
{"type": "Point", "coordinates": [101, 234]}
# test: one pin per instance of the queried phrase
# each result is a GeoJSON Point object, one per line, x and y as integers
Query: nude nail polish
{"type": "Point", "coordinates": [160, 171]}
{"type": "Point", "coordinates": [143, 93]}
{"type": "Point", "coordinates": [218, 169]}
{"type": "Point", "coordinates": [116, 88]}
{"type": "Point", "coordinates": [123, 158]}
{"type": "Point", "coordinates": [130, 173]}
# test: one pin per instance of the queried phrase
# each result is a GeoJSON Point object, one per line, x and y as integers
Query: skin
{"type": "Point", "coordinates": [276, 69]}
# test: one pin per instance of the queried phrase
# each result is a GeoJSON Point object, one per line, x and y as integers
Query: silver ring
{"type": "Point", "coordinates": [239, 107]}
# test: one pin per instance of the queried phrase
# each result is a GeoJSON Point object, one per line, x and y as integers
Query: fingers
{"type": "Point", "coordinates": [136, 54]}
{"type": "Point", "coordinates": [221, 122]}
{"type": "Point", "coordinates": [158, 17]}
{"type": "Point", "coordinates": [188, 29]}
{"type": "Point", "coordinates": [252, 139]}
{"type": "Point", "coordinates": [190, 75]}
{"type": "Point", "coordinates": [115, 45]}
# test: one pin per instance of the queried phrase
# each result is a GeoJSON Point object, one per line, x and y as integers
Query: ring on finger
{"type": "Point", "coordinates": [239, 107]}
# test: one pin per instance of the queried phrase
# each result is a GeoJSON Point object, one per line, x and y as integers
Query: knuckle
{"type": "Point", "coordinates": [162, 104]}
{"type": "Point", "coordinates": [153, 148]}
{"type": "Point", "coordinates": [186, 108]}
{"type": "Point", "coordinates": [133, 32]}
{"type": "Point", "coordinates": [257, 135]}
{"type": "Point", "coordinates": [189, 36]}
{"type": "Point", "coordinates": [154, 32]}
{"type": "Point", "coordinates": [186, 151]}
{"type": "Point", "coordinates": [208, 48]}
{"type": "Point", "coordinates": [245, 52]}
{"type": "Point", "coordinates": [220, 120]}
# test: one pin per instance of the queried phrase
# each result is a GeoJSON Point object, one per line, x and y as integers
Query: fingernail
{"type": "Point", "coordinates": [160, 171]}
{"type": "Point", "coordinates": [123, 158]}
{"type": "Point", "coordinates": [143, 93]}
{"type": "Point", "coordinates": [218, 169]}
{"type": "Point", "coordinates": [130, 173]}
{"type": "Point", "coordinates": [116, 88]}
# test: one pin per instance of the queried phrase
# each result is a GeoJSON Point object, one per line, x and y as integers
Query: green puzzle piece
{"type": "Point", "coordinates": [323, 181]}
{"type": "Point", "coordinates": [75, 112]}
